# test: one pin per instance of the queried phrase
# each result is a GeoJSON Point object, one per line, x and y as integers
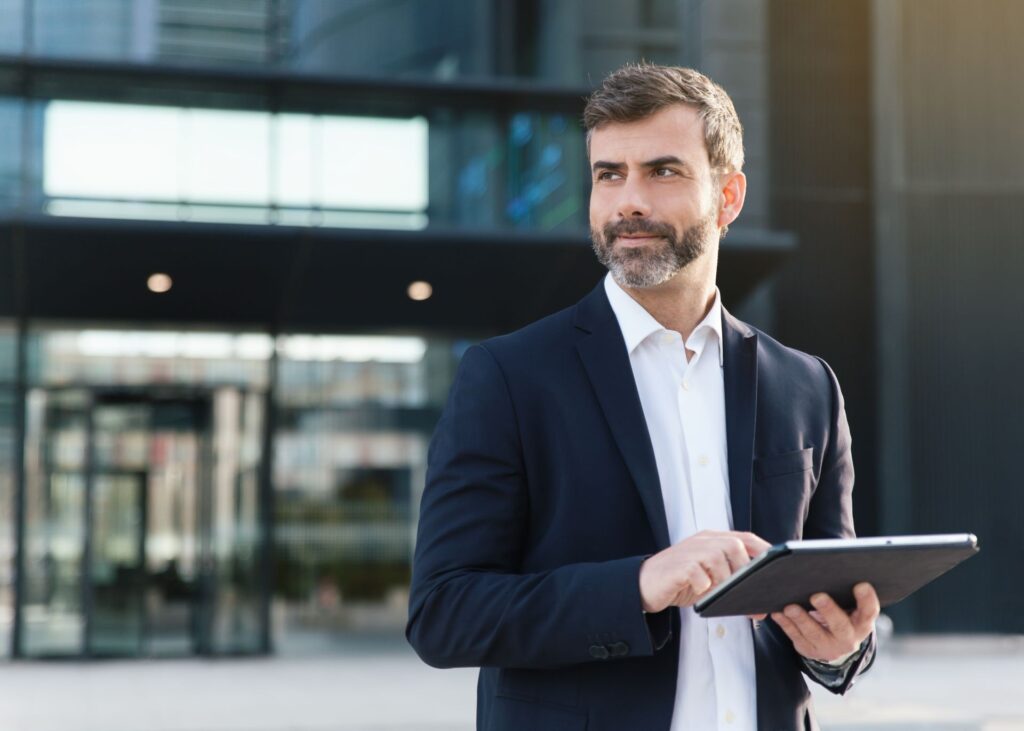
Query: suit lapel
{"type": "Point", "coordinates": [740, 413]}
{"type": "Point", "coordinates": [604, 356]}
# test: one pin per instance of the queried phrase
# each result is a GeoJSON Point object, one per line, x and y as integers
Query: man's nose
{"type": "Point", "coordinates": [633, 201]}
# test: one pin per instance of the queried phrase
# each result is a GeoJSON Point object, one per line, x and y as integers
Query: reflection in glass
{"type": "Point", "coordinates": [116, 576]}
{"type": "Point", "coordinates": [124, 160]}
{"type": "Point", "coordinates": [94, 29]}
{"type": "Point", "coordinates": [53, 616]}
{"type": "Point", "coordinates": [349, 461]}
{"type": "Point", "coordinates": [155, 485]}
{"type": "Point", "coordinates": [11, 154]}
{"type": "Point", "coordinates": [526, 172]}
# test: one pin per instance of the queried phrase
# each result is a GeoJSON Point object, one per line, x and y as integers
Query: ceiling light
{"type": "Point", "coordinates": [420, 291]}
{"type": "Point", "coordinates": [159, 283]}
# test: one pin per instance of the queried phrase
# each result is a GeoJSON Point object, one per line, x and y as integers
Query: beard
{"type": "Point", "coordinates": [655, 263]}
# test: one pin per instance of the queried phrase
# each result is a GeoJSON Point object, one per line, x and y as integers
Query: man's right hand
{"type": "Point", "coordinates": [683, 573]}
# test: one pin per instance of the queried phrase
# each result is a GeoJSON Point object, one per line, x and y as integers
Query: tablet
{"type": "Point", "coordinates": [789, 573]}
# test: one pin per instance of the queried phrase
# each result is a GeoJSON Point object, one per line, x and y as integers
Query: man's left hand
{"type": "Point", "coordinates": [828, 632]}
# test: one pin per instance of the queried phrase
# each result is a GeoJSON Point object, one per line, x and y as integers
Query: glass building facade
{"type": "Point", "coordinates": [234, 466]}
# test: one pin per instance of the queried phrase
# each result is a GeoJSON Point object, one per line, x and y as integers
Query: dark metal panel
{"type": "Point", "coordinates": [966, 399]}
{"type": "Point", "coordinates": [958, 189]}
{"type": "Point", "coordinates": [321, 280]}
{"type": "Point", "coordinates": [250, 88]}
{"type": "Point", "coordinates": [821, 188]}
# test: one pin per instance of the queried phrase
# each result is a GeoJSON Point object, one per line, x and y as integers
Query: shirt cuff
{"type": "Point", "coordinates": [839, 661]}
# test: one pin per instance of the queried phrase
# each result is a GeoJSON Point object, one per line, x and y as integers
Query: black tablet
{"type": "Point", "coordinates": [789, 573]}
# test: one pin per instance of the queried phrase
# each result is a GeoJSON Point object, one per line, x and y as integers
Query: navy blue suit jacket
{"type": "Point", "coordinates": [543, 498]}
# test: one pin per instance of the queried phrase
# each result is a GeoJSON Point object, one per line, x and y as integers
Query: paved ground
{"type": "Point", "coordinates": [945, 684]}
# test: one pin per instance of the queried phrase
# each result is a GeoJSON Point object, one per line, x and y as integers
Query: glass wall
{"type": "Point", "coordinates": [120, 160]}
{"type": "Point", "coordinates": [563, 41]}
{"type": "Point", "coordinates": [445, 168]}
{"type": "Point", "coordinates": [143, 458]}
{"type": "Point", "coordinates": [12, 156]}
{"type": "Point", "coordinates": [355, 416]}
{"type": "Point", "coordinates": [142, 529]}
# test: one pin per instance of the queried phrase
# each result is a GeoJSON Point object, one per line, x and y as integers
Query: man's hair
{"type": "Point", "coordinates": [636, 91]}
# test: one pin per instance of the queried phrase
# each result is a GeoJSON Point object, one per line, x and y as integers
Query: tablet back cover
{"type": "Point", "coordinates": [791, 578]}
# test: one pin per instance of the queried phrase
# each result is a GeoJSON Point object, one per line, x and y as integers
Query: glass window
{"type": "Point", "coordinates": [121, 160]}
{"type": "Point", "coordinates": [12, 29]}
{"type": "Point", "coordinates": [144, 358]}
{"type": "Point", "coordinates": [149, 444]}
{"type": "Point", "coordinates": [355, 418]}
{"type": "Point", "coordinates": [404, 38]}
{"type": "Point", "coordinates": [11, 154]}
{"type": "Point", "coordinates": [94, 29]}
{"type": "Point", "coordinates": [176, 163]}
{"type": "Point", "coordinates": [556, 41]}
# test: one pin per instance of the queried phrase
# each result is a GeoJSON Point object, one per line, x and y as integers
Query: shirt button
{"type": "Point", "coordinates": [703, 460]}
{"type": "Point", "coordinates": [686, 385]}
{"type": "Point", "coordinates": [730, 716]}
{"type": "Point", "coordinates": [720, 631]}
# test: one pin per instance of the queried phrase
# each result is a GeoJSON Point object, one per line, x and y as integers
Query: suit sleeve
{"type": "Point", "coordinates": [469, 603]}
{"type": "Point", "coordinates": [831, 516]}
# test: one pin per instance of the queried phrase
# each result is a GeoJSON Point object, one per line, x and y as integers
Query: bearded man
{"type": "Point", "coordinates": [597, 472]}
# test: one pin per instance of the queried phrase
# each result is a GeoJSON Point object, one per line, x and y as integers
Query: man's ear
{"type": "Point", "coordinates": [732, 192]}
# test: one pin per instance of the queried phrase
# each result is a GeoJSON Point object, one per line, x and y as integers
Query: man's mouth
{"type": "Point", "coordinates": [636, 239]}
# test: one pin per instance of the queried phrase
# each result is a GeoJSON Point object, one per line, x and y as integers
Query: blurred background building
{"type": "Point", "coordinates": [243, 244]}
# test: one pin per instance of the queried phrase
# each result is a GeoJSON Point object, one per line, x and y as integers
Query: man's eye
{"type": "Point", "coordinates": [607, 175]}
{"type": "Point", "coordinates": [664, 172]}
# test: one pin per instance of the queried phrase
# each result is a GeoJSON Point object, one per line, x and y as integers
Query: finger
{"type": "Point", "coordinates": [818, 618]}
{"type": "Point", "coordinates": [813, 632]}
{"type": "Point", "coordinates": [716, 564]}
{"type": "Point", "coordinates": [868, 607]}
{"type": "Point", "coordinates": [754, 544]}
{"type": "Point", "coordinates": [835, 618]}
{"type": "Point", "coordinates": [800, 643]}
{"type": "Point", "coordinates": [735, 553]}
{"type": "Point", "coordinates": [757, 617]}
{"type": "Point", "coordinates": [697, 578]}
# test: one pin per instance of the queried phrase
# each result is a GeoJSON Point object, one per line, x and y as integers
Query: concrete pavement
{"type": "Point", "coordinates": [918, 683]}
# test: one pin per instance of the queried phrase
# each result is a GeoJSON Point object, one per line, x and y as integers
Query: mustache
{"type": "Point", "coordinates": [633, 227]}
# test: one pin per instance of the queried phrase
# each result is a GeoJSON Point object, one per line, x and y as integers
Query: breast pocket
{"type": "Point", "coordinates": [781, 495]}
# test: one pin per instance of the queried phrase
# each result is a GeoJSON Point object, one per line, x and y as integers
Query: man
{"type": "Point", "coordinates": [597, 472]}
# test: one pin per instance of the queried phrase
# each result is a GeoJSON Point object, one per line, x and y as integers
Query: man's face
{"type": "Point", "coordinates": [653, 208]}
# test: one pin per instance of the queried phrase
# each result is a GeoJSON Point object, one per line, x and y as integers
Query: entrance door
{"type": "Point", "coordinates": [140, 523]}
{"type": "Point", "coordinates": [148, 477]}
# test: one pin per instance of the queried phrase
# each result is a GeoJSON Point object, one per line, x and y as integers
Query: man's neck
{"type": "Point", "coordinates": [680, 303]}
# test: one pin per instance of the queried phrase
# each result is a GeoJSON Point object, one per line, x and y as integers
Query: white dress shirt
{"type": "Point", "coordinates": [684, 406]}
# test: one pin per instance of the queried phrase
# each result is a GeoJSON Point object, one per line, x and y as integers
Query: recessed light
{"type": "Point", "coordinates": [159, 283]}
{"type": "Point", "coordinates": [420, 291]}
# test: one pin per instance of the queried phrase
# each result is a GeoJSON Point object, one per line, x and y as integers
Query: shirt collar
{"type": "Point", "coordinates": [637, 324]}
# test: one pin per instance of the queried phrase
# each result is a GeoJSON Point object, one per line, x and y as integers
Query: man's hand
{"type": "Point", "coordinates": [828, 632]}
{"type": "Point", "coordinates": [681, 574]}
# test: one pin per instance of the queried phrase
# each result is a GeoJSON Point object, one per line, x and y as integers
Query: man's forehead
{"type": "Point", "coordinates": [675, 130]}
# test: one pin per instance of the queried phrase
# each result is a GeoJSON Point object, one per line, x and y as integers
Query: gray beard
{"type": "Point", "coordinates": [648, 267]}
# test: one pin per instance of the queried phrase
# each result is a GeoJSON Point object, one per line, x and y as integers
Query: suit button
{"type": "Point", "coordinates": [599, 652]}
{"type": "Point", "coordinates": [618, 649]}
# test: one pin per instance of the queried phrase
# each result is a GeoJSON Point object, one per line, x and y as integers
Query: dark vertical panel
{"type": "Point", "coordinates": [266, 503]}
{"type": "Point", "coordinates": [966, 399]}
{"type": "Point", "coordinates": [960, 191]}
{"type": "Point", "coordinates": [820, 147]}
{"type": "Point", "coordinates": [20, 385]}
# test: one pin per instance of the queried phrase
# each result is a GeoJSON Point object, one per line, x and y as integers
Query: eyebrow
{"type": "Point", "coordinates": [656, 162]}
